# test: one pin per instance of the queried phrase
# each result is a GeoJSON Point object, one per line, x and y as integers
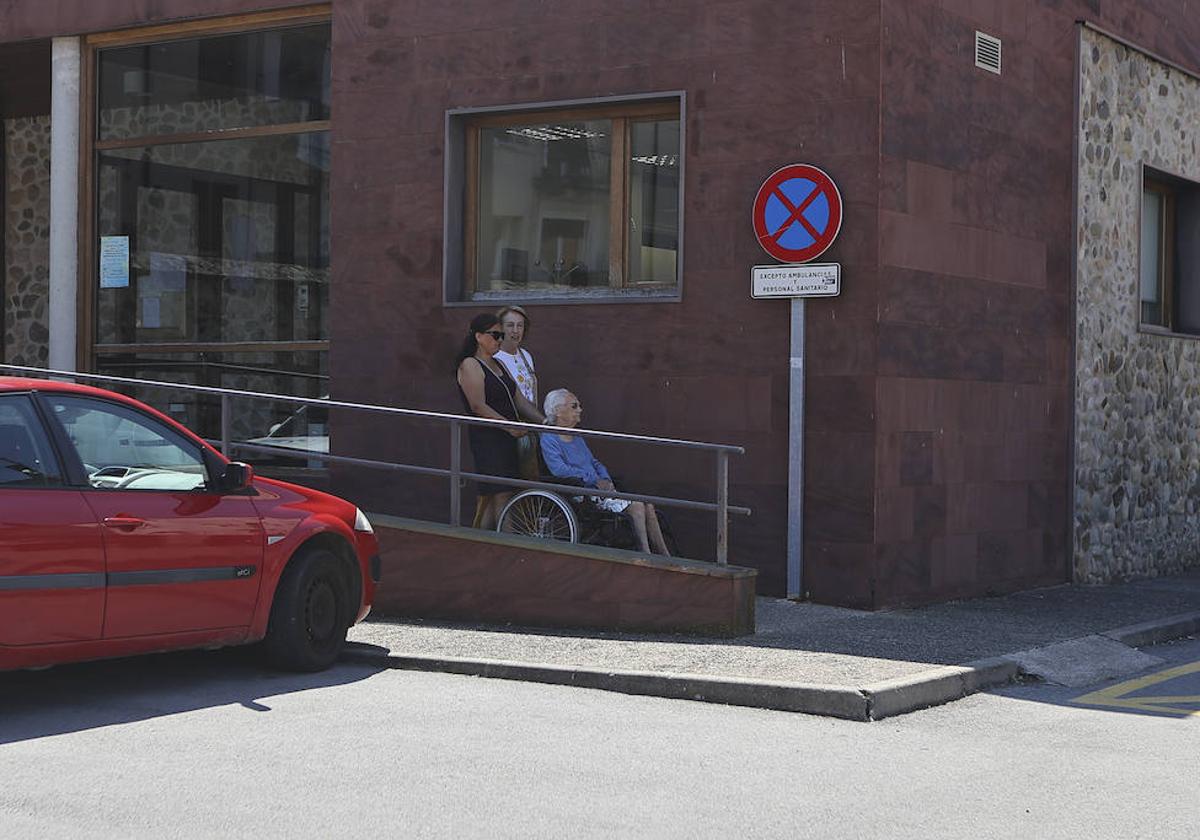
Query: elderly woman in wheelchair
{"type": "Point", "coordinates": [569, 460]}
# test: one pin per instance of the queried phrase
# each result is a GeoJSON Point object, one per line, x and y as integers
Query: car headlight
{"type": "Point", "coordinates": [361, 523]}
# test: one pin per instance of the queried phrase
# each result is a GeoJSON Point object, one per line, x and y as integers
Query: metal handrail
{"type": "Point", "coordinates": [722, 451]}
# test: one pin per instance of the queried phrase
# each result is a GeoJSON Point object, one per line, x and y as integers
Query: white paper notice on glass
{"type": "Point", "coordinates": [114, 262]}
{"type": "Point", "coordinates": [151, 312]}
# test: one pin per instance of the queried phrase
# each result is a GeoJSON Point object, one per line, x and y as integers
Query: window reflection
{"type": "Point", "coordinates": [653, 201]}
{"type": "Point", "coordinates": [544, 205]}
{"type": "Point", "coordinates": [226, 81]}
{"type": "Point", "coordinates": [302, 373]}
{"type": "Point", "coordinates": [228, 240]}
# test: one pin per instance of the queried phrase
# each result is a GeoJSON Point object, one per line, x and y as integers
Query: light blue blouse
{"type": "Point", "coordinates": [572, 459]}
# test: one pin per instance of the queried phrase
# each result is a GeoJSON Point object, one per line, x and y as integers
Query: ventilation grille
{"type": "Point", "coordinates": [987, 52]}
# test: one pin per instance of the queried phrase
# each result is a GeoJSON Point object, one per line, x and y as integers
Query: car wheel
{"type": "Point", "coordinates": [310, 614]}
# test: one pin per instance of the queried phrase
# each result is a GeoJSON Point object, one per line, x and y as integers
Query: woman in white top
{"type": "Point", "coordinates": [514, 321]}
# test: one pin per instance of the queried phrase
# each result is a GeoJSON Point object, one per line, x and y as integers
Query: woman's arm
{"type": "Point", "coordinates": [526, 410]}
{"type": "Point", "coordinates": [470, 378]}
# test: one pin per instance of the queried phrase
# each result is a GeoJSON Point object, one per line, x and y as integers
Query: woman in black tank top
{"type": "Point", "coordinates": [487, 390]}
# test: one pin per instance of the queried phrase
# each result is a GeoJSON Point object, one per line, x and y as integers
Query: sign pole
{"type": "Point", "coordinates": [797, 214]}
{"type": "Point", "coordinates": [795, 533]}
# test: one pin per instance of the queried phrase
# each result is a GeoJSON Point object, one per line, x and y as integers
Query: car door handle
{"type": "Point", "coordinates": [124, 523]}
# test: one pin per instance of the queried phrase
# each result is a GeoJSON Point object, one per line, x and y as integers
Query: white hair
{"type": "Point", "coordinates": [555, 400]}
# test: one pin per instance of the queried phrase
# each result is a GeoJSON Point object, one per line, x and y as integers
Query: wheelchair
{"type": "Point", "coordinates": [549, 515]}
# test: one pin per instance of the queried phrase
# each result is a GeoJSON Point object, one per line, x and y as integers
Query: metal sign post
{"type": "Point", "coordinates": [795, 532]}
{"type": "Point", "coordinates": [797, 215]}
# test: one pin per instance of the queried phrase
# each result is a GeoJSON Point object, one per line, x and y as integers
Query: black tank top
{"type": "Point", "coordinates": [498, 390]}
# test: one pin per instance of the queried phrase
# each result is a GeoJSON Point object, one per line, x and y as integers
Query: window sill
{"type": "Point", "coordinates": [1165, 332]}
{"type": "Point", "coordinates": [572, 296]}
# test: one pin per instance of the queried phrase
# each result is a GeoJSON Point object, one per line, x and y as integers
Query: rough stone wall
{"type": "Point", "coordinates": [209, 115]}
{"type": "Point", "coordinates": [1137, 396]}
{"type": "Point", "coordinates": [26, 282]}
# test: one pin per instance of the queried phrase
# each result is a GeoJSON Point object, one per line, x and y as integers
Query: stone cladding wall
{"type": "Point", "coordinates": [26, 279]}
{"type": "Point", "coordinates": [204, 115]}
{"type": "Point", "coordinates": [1137, 395]}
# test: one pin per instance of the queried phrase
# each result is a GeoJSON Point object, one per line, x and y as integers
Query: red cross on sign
{"type": "Point", "coordinates": [797, 213]}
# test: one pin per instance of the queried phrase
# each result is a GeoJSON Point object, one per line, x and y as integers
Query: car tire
{"type": "Point", "coordinates": [310, 613]}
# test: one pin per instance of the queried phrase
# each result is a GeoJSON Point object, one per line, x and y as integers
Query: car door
{"type": "Point", "coordinates": [181, 556]}
{"type": "Point", "coordinates": [51, 555]}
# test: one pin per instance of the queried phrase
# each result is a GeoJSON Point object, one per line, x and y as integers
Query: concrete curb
{"type": "Point", "coordinates": [1153, 632]}
{"type": "Point", "coordinates": [874, 701]}
{"type": "Point", "coordinates": [830, 701]}
{"type": "Point", "coordinates": [937, 686]}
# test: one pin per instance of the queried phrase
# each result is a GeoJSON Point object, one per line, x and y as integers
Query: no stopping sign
{"type": "Point", "coordinates": [797, 213]}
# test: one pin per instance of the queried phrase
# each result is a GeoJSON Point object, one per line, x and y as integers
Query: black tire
{"type": "Point", "coordinates": [310, 613]}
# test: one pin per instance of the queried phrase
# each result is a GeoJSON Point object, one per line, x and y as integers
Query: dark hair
{"type": "Point", "coordinates": [480, 323]}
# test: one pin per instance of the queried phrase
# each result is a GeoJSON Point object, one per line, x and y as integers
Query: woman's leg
{"type": "Point", "coordinates": [637, 515]}
{"type": "Point", "coordinates": [482, 505]}
{"type": "Point", "coordinates": [493, 509]}
{"type": "Point", "coordinates": [656, 534]}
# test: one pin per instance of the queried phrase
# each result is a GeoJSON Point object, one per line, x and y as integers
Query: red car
{"type": "Point", "coordinates": [121, 532]}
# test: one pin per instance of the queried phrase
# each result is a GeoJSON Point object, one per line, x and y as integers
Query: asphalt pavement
{"type": "Point", "coordinates": [210, 745]}
{"type": "Point", "coordinates": [827, 660]}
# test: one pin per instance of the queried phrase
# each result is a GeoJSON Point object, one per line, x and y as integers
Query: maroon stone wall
{"type": "Point", "coordinates": [761, 92]}
{"type": "Point", "coordinates": [975, 295]}
{"type": "Point", "coordinates": [437, 572]}
{"type": "Point", "coordinates": [974, 314]}
{"type": "Point", "coordinates": [25, 19]}
{"type": "Point", "coordinates": [938, 383]}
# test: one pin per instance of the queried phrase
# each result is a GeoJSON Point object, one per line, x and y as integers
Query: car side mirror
{"type": "Point", "coordinates": [236, 476]}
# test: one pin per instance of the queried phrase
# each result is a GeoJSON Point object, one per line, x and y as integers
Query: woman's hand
{"type": "Point", "coordinates": [605, 484]}
{"type": "Point", "coordinates": [517, 433]}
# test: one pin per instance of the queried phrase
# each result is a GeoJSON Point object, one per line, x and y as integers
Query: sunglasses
{"type": "Point", "coordinates": [496, 334]}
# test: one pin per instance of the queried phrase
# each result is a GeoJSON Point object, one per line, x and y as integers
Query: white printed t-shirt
{"type": "Point", "coordinates": [521, 368]}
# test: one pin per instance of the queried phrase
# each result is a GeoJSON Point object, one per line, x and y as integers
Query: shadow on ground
{"type": "Point", "coordinates": [74, 698]}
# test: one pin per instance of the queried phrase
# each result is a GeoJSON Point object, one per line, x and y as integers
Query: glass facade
{"type": "Point", "coordinates": [272, 77]}
{"type": "Point", "coordinates": [211, 174]}
{"type": "Point", "coordinates": [229, 240]}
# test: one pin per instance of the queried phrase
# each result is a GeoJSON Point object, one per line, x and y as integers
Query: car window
{"type": "Point", "coordinates": [26, 459]}
{"type": "Point", "coordinates": [122, 449]}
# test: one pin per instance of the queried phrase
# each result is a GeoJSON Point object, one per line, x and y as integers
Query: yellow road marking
{"type": "Point", "coordinates": [1117, 696]}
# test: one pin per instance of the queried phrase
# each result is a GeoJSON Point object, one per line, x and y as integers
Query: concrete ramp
{"type": "Point", "coordinates": [442, 572]}
{"type": "Point", "coordinates": [1085, 661]}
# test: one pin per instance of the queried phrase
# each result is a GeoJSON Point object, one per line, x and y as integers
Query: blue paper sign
{"type": "Point", "coordinates": [114, 262]}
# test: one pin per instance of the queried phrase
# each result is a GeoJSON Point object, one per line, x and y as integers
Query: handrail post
{"type": "Point", "coordinates": [722, 508]}
{"type": "Point", "coordinates": [225, 424]}
{"type": "Point", "coordinates": [455, 469]}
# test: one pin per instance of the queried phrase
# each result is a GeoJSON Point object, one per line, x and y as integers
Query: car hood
{"type": "Point", "coordinates": [294, 501]}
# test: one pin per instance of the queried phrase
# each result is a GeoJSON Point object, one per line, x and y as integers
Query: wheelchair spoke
{"type": "Point", "coordinates": [540, 515]}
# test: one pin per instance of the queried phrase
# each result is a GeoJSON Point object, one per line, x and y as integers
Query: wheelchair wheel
{"type": "Point", "coordinates": [538, 513]}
